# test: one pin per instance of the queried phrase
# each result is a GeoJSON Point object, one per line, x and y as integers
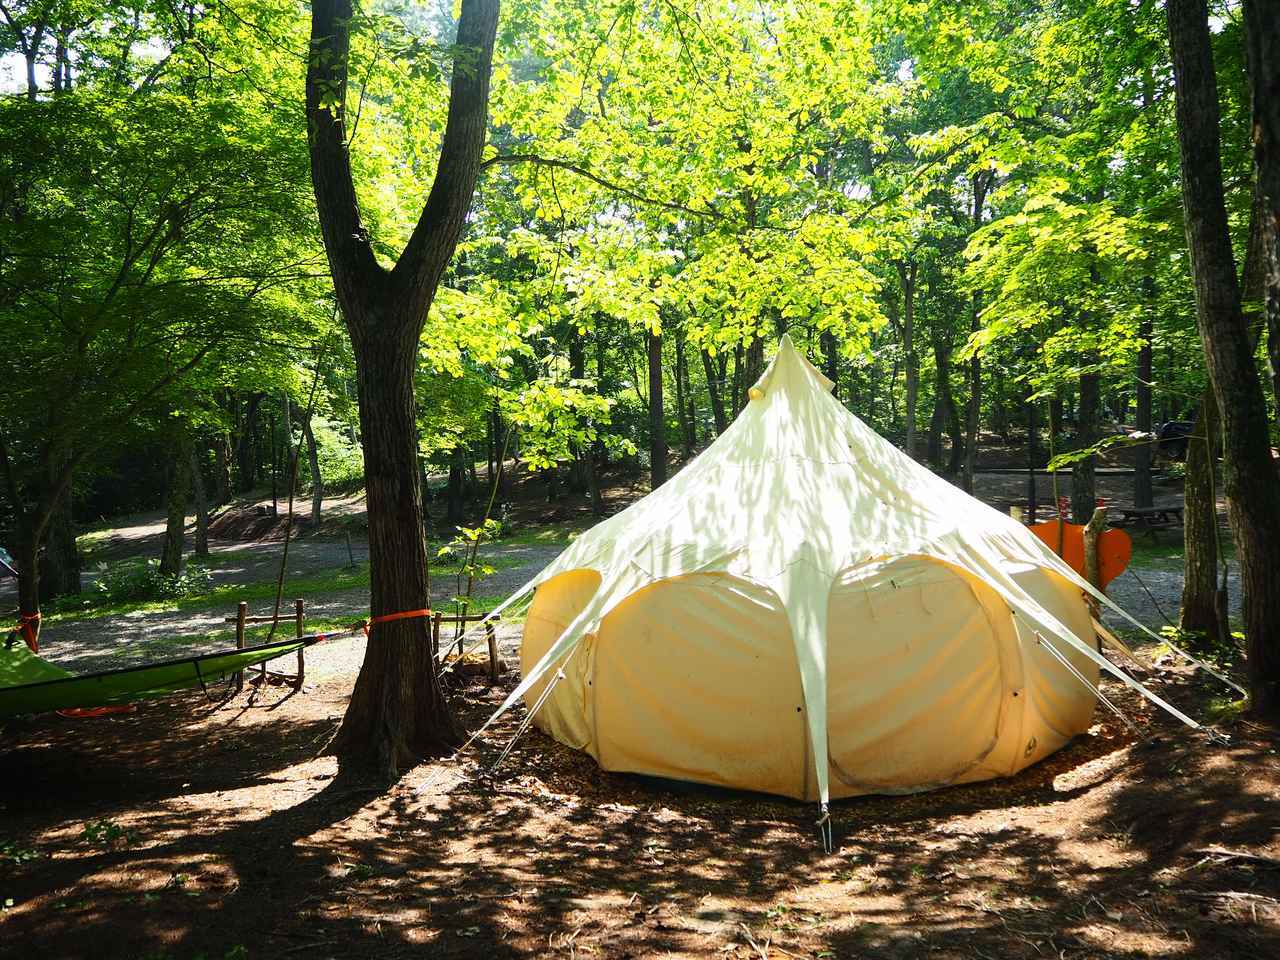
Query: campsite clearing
{"type": "Point", "coordinates": [221, 833]}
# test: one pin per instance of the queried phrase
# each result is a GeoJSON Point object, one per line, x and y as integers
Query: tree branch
{"type": "Point", "coordinates": [707, 212]}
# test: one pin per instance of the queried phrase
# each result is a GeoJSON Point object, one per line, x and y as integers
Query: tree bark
{"type": "Point", "coordinates": [715, 372]}
{"type": "Point", "coordinates": [397, 712]}
{"type": "Point", "coordinates": [657, 416]}
{"type": "Point", "coordinates": [1084, 491]}
{"type": "Point", "coordinates": [1262, 46]}
{"type": "Point", "coordinates": [317, 482]}
{"type": "Point", "coordinates": [60, 559]}
{"type": "Point", "coordinates": [1143, 495]}
{"type": "Point", "coordinates": [907, 277]}
{"type": "Point", "coordinates": [831, 361]}
{"type": "Point", "coordinates": [246, 449]}
{"type": "Point", "coordinates": [684, 399]}
{"type": "Point", "coordinates": [1199, 612]}
{"type": "Point", "coordinates": [175, 498]}
{"type": "Point", "coordinates": [1249, 476]}
{"type": "Point", "coordinates": [202, 505]}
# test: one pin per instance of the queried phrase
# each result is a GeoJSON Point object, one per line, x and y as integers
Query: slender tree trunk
{"type": "Point", "coordinates": [831, 361]}
{"type": "Point", "coordinates": [684, 400]}
{"type": "Point", "coordinates": [246, 449]}
{"type": "Point", "coordinates": [1250, 482]}
{"type": "Point", "coordinates": [455, 512]}
{"type": "Point", "coordinates": [972, 411]}
{"type": "Point", "coordinates": [202, 505]}
{"type": "Point", "coordinates": [1084, 490]}
{"type": "Point", "coordinates": [1143, 496]}
{"type": "Point", "coordinates": [317, 481]}
{"type": "Point", "coordinates": [657, 415]}
{"type": "Point", "coordinates": [737, 391]}
{"type": "Point", "coordinates": [176, 491]}
{"type": "Point", "coordinates": [715, 388]}
{"type": "Point", "coordinates": [222, 469]}
{"type": "Point", "coordinates": [397, 711]}
{"type": "Point", "coordinates": [907, 276]}
{"type": "Point", "coordinates": [1200, 614]}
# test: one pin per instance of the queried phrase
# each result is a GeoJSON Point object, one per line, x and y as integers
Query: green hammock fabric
{"type": "Point", "coordinates": [29, 684]}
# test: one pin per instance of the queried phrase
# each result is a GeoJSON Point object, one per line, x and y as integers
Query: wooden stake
{"type": "Point", "coordinates": [241, 612]}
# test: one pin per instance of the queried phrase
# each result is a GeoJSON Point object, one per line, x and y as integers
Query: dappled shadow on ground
{"type": "Point", "coordinates": [230, 831]}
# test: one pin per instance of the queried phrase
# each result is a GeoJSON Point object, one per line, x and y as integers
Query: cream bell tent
{"type": "Point", "coordinates": [804, 610]}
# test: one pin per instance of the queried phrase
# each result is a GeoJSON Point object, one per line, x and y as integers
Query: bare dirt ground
{"type": "Point", "coordinates": [191, 831]}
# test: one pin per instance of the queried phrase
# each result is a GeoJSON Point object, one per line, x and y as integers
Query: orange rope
{"type": "Point", "coordinates": [387, 617]}
{"type": "Point", "coordinates": [29, 629]}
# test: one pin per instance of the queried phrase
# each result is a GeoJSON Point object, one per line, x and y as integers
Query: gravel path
{"type": "Point", "coordinates": [103, 643]}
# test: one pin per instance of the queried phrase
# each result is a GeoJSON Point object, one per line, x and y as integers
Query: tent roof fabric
{"type": "Point", "coordinates": [795, 492]}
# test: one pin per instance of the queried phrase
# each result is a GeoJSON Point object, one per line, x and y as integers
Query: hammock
{"type": "Point", "coordinates": [29, 684]}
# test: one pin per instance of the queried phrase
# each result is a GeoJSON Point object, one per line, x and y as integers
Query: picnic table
{"type": "Point", "coordinates": [1149, 518]}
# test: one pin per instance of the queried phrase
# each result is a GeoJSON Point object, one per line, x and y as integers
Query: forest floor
{"type": "Point", "coordinates": [192, 830]}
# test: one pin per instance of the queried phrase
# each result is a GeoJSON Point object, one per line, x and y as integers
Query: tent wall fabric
{"type": "Point", "coordinates": [804, 590]}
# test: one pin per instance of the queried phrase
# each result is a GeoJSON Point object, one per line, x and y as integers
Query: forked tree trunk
{"type": "Point", "coordinates": [397, 712]}
{"type": "Point", "coordinates": [1250, 483]}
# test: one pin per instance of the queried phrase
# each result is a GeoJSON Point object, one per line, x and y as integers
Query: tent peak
{"type": "Point", "coordinates": [788, 357]}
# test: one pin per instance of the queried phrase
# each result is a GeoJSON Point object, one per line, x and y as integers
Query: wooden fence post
{"type": "Point", "coordinates": [241, 612]}
{"type": "Point", "coordinates": [299, 616]}
{"type": "Point", "coordinates": [492, 636]}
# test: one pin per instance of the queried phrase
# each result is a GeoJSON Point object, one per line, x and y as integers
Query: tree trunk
{"type": "Point", "coordinates": [1199, 614]}
{"type": "Point", "coordinates": [246, 449]}
{"type": "Point", "coordinates": [202, 505]}
{"type": "Point", "coordinates": [715, 388]}
{"type": "Point", "coordinates": [657, 417]}
{"type": "Point", "coordinates": [1262, 44]}
{"type": "Point", "coordinates": [222, 469]}
{"type": "Point", "coordinates": [1084, 491]}
{"type": "Point", "coordinates": [455, 510]}
{"type": "Point", "coordinates": [175, 499]}
{"type": "Point", "coordinates": [684, 400]}
{"type": "Point", "coordinates": [317, 482]}
{"type": "Point", "coordinates": [972, 411]}
{"type": "Point", "coordinates": [60, 560]}
{"type": "Point", "coordinates": [397, 711]}
{"type": "Point", "coordinates": [907, 277]}
{"type": "Point", "coordinates": [1250, 482]}
{"type": "Point", "coordinates": [1143, 496]}
{"type": "Point", "coordinates": [831, 361]}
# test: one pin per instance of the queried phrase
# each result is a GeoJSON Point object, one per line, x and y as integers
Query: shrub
{"type": "Point", "coordinates": [126, 582]}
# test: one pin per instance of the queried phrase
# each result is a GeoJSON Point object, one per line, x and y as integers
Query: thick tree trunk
{"type": "Point", "coordinates": [397, 711]}
{"type": "Point", "coordinates": [1200, 613]}
{"type": "Point", "coordinates": [1262, 44]}
{"type": "Point", "coordinates": [657, 415]}
{"type": "Point", "coordinates": [202, 506]}
{"type": "Point", "coordinates": [60, 559]}
{"type": "Point", "coordinates": [715, 371]}
{"type": "Point", "coordinates": [1250, 482]}
{"type": "Point", "coordinates": [175, 498]}
{"type": "Point", "coordinates": [1084, 490]}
